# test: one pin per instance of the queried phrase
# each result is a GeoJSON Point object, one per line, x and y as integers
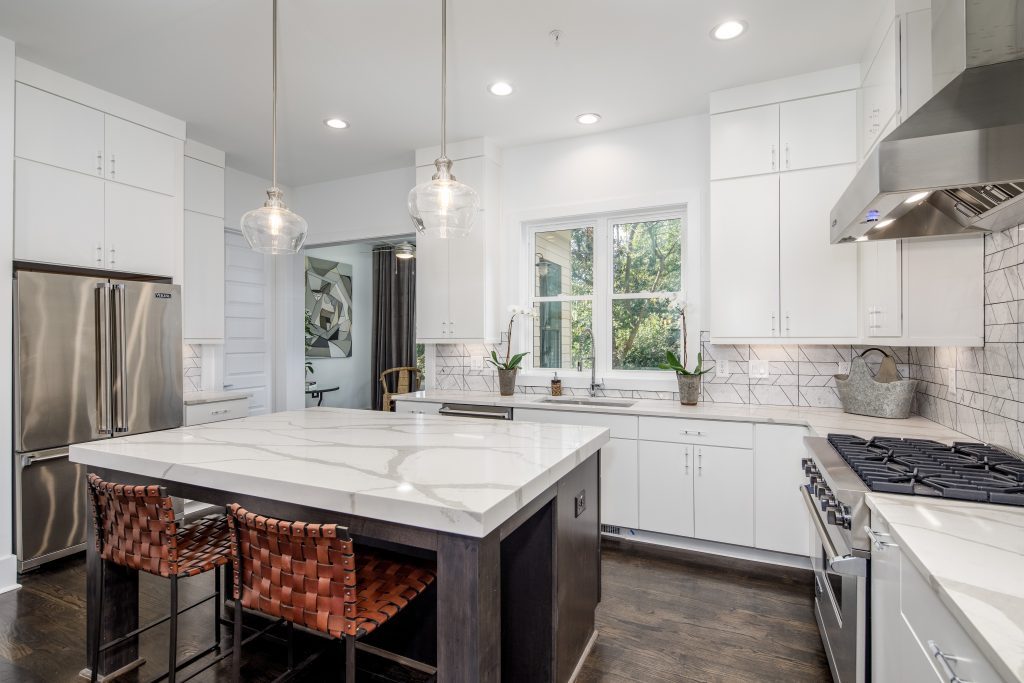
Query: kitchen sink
{"type": "Point", "coordinates": [596, 402]}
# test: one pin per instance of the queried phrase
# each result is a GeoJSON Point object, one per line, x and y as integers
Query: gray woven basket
{"type": "Point", "coordinates": [884, 395]}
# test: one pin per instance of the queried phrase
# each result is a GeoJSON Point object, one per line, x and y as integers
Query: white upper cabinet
{"type": "Point", "coordinates": [880, 92]}
{"type": "Point", "coordinates": [745, 142]}
{"type": "Point", "coordinates": [56, 131]}
{"type": "Point", "coordinates": [204, 188]}
{"type": "Point", "coordinates": [432, 312]}
{"type": "Point", "coordinates": [818, 280]}
{"type": "Point", "coordinates": [67, 232]}
{"type": "Point", "coordinates": [203, 290]}
{"type": "Point", "coordinates": [140, 235]}
{"type": "Point", "coordinates": [142, 157]}
{"type": "Point", "coordinates": [745, 257]}
{"type": "Point", "coordinates": [881, 282]}
{"type": "Point", "coordinates": [818, 131]}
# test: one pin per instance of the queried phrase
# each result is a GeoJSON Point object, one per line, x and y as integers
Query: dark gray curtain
{"type": "Point", "coordinates": [394, 315]}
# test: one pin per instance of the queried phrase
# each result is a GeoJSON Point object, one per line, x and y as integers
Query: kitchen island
{"type": "Point", "coordinates": [509, 512]}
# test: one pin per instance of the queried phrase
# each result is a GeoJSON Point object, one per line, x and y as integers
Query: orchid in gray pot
{"type": "Point", "coordinates": [509, 368]}
{"type": "Point", "coordinates": [688, 380]}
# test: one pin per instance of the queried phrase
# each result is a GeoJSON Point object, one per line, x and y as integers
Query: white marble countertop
{"type": "Point", "coordinates": [459, 475]}
{"type": "Point", "coordinates": [821, 421]}
{"type": "Point", "coordinates": [196, 398]}
{"type": "Point", "coordinates": [973, 556]}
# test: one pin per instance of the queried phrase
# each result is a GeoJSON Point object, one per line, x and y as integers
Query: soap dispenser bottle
{"type": "Point", "coordinates": [556, 386]}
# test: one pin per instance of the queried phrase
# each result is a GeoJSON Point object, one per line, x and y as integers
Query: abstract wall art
{"type": "Point", "coordinates": [328, 309]}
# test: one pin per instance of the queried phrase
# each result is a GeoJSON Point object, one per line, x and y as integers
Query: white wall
{"type": "Point", "coordinates": [8, 564]}
{"type": "Point", "coordinates": [352, 374]}
{"type": "Point", "coordinates": [363, 207]}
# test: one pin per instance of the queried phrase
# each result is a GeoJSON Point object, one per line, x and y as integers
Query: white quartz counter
{"type": "Point", "coordinates": [197, 398]}
{"type": "Point", "coordinates": [821, 421]}
{"type": "Point", "coordinates": [463, 476]}
{"type": "Point", "coordinates": [973, 557]}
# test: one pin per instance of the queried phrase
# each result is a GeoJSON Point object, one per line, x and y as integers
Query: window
{"type": "Point", "coordinates": [605, 282]}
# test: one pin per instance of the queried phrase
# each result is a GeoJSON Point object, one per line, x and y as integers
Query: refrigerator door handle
{"type": "Point", "coordinates": [121, 337]}
{"type": "Point", "coordinates": [103, 421]}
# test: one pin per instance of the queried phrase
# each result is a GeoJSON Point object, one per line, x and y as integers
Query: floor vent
{"type": "Point", "coordinates": [608, 529]}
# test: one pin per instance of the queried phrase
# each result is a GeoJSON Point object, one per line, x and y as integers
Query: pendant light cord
{"type": "Point", "coordinates": [444, 77]}
{"type": "Point", "coordinates": [274, 116]}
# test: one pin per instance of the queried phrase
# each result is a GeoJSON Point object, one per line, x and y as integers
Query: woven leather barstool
{"type": "Point", "coordinates": [136, 528]}
{"type": "Point", "coordinates": [309, 575]}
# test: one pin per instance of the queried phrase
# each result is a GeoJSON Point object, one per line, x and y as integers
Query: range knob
{"type": "Point", "coordinates": [840, 517]}
{"type": "Point", "coordinates": [827, 501]}
{"type": "Point", "coordinates": [809, 467]}
{"type": "Point", "coordinates": [820, 491]}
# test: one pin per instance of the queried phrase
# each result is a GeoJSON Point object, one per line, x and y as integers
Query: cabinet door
{"type": "Point", "coordinates": [819, 131]}
{"type": "Point", "coordinates": [723, 495]}
{"type": "Point", "coordinates": [58, 215]}
{"type": "Point", "coordinates": [666, 487]}
{"type": "Point", "coordinates": [818, 280]}
{"type": "Point", "coordinates": [944, 281]}
{"type": "Point", "coordinates": [431, 289]}
{"type": "Point", "coordinates": [881, 271]}
{"type": "Point", "coordinates": [745, 142]}
{"type": "Point", "coordinates": [140, 231]}
{"type": "Point", "coordinates": [203, 290]}
{"type": "Point", "coordinates": [142, 157]}
{"type": "Point", "coordinates": [467, 262]}
{"type": "Point", "coordinates": [745, 257]}
{"type": "Point", "coordinates": [780, 519]}
{"type": "Point", "coordinates": [880, 92]}
{"type": "Point", "coordinates": [886, 620]}
{"type": "Point", "coordinates": [619, 505]}
{"type": "Point", "coordinates": [204, 188]}
{"type": "Point", "coordinates": [916, 58]}
{"type": "Point", "coordinates": [56, 131]}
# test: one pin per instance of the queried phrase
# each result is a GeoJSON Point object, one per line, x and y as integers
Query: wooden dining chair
{"type": "Point", "coordinates": [310, 575]}
{"type": "Point", "coordinates": [408, 380]}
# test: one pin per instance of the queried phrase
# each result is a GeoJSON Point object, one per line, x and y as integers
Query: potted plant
{"type": "Point", "coordinates": [688, 380]}
{"type": "Point", "coordinates": [309, 371]}
{"type": "Point", "coordinates": [508, 368]}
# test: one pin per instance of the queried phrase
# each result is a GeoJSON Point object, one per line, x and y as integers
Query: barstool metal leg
{"type": "Point", "coordinates": [172, 656]}
{"type": "Point", "coordinates": [97, 632]}
{"type": "Point", "coordinates": [350, 659]}
{"type": "Point", "coordinates": [217, 604]}
{"type": "Point", "coordinates": [236, 652]}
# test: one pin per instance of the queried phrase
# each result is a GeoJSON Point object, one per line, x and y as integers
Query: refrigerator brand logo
{"type": "Point", "coordinates": [162, 295]}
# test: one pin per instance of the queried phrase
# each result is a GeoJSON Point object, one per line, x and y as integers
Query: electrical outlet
{"type": "Point", "coordinates": [581, 502]}
{"type": "Point", "coordinates": [952, 381]}
{"type": "Point", "coordinates": [760, 369]}
{"type": "Point", "coordinates": [722, 368]}
{"type": "Point", "coordinates": [844, 368]}
{"type": "Point", "coordinates": [476, 363]}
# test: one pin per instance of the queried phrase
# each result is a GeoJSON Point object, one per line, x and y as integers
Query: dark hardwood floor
{"type": "Point", "coordinates": [665, 616]}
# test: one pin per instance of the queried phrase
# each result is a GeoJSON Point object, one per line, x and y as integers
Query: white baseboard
{"type": "Point", "coordinates": [711, 547]}
{"type": "Point", "coordinates": [8, 573]}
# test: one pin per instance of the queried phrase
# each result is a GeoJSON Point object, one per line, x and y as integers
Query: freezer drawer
{"type": "Point", "coordinates": [51, 507]}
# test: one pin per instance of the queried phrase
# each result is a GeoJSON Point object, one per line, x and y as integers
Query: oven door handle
{"type": "Point", "coordinates": [847, 565]}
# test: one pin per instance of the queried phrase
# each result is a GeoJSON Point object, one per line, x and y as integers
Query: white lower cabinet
{"type": "Point", "coordinates": [619, 473]}
{"type": "Point", "coordinates": [889, 634]}
{"type": "Point", "coordinates": [416, 407]}
{"type": "Point", "coordinates": [204, 413]}
{"type": "Point", "coordinates": [666, 487]}
{"type": "Point", "coordinates": [779, 513]}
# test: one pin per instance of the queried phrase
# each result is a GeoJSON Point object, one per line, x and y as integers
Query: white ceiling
{"type": "Point", "coordinates": [375, 63]}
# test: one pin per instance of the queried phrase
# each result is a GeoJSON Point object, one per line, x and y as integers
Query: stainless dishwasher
{"type": "Point", "coordinates": [482, 412]}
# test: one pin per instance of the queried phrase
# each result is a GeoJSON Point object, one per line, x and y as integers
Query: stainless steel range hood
{"type": "Point", "coordinates": [956, 166]}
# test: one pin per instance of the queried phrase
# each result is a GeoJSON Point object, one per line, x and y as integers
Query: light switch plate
{"type": "Point", "coordinates": [760, 369]}
{"type": "Point", "coordinates": [722, 368]}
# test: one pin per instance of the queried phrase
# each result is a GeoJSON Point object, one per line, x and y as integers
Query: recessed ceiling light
{"type": "Point", "coordinates": [336, 123]}
{"type": "Point", "coordinates": [728, 30]}
{"type": "Point", "coordinates": [588, 119]}
{"type": "Point", "coordinates": [915, 198]}
{"type": "Point", "coordinates": [501, 89]}
{"type": "Point", "coordinates": [405, 251]}
{"type": "Point", "coordinates": [862, 238]}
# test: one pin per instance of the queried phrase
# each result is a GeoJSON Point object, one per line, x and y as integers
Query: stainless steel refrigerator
{"type": "Point", "coordinates": [94, 358]}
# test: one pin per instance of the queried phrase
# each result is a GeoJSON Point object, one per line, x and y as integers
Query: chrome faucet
{"type": "Point", "coordinates": [594, 384]}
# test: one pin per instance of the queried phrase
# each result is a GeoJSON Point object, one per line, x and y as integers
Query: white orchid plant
{"type": "Point", "coordinates": [672, 361]}
{"type": "Point", "coordinates": [511, 362]}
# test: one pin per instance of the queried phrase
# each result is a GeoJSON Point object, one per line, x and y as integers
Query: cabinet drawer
{"type": "Point", "coordinates": [621, 426]}
{"type": "Point", "coordinates": [416, 407]}
{"type": "Point", "coordinates": [700, 432]}
{"type": "Point", "coordinates": [934, 626]}
{"type": "Point", "coordinates": [216, 412]}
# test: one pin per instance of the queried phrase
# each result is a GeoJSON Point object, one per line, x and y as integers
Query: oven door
{"type": "Point", "coordinates": [840, 607]}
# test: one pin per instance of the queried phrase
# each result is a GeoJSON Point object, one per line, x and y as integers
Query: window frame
{"type": "Point", "coordinates": [602, 294]}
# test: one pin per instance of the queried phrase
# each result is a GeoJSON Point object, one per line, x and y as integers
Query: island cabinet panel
{"type": "Point", "coordinates": [665, 487]}
{"type": "Point", "coordinates": [723, 495]}
{"type": "Point", "coordinates": [780, 517]}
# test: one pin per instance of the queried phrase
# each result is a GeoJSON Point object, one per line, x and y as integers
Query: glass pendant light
{"type": "Point", "coordinates": [274, 228]}
{"type": "Point", "coordinates": [443, 207]}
